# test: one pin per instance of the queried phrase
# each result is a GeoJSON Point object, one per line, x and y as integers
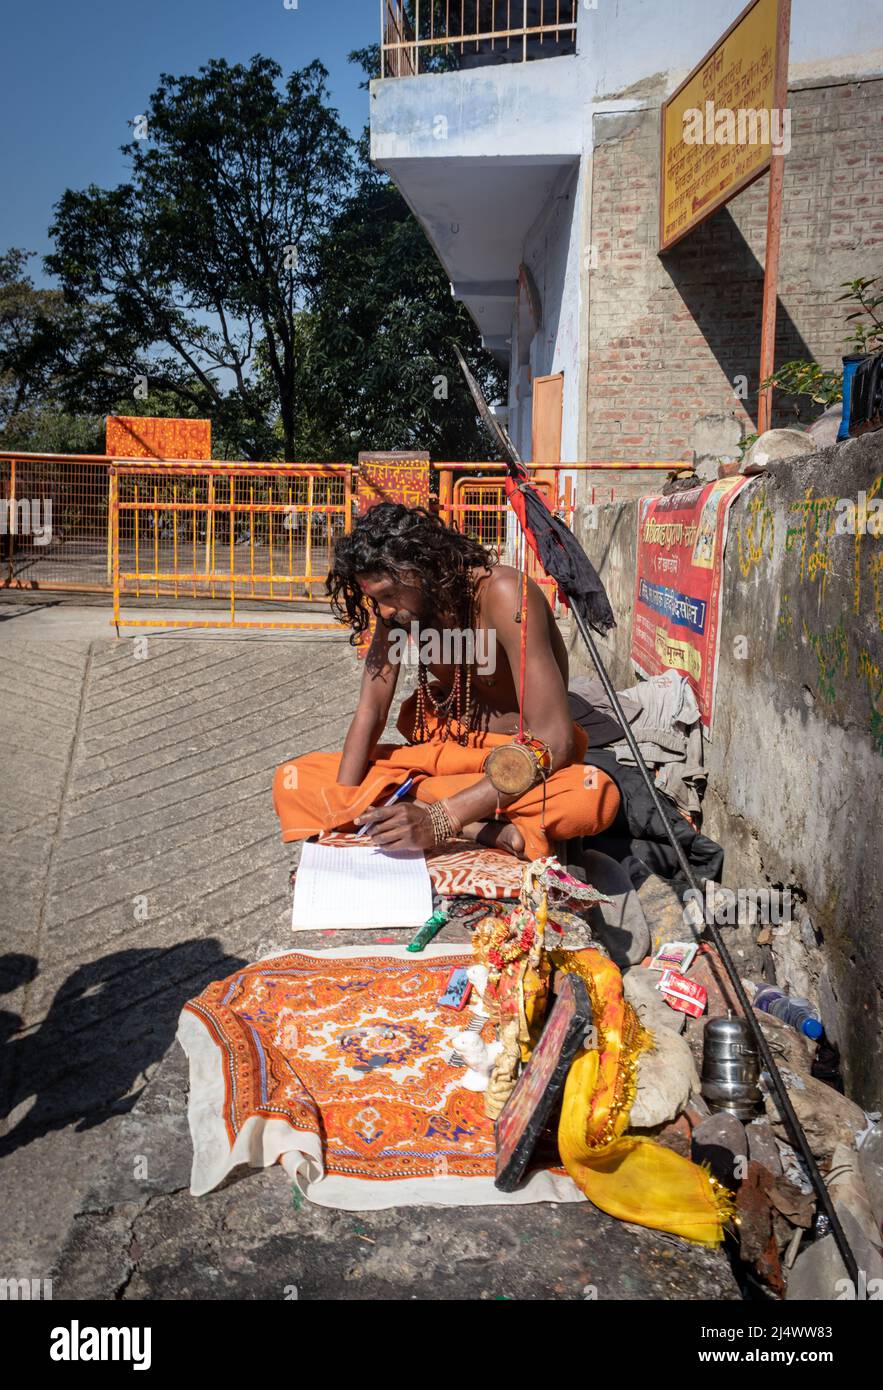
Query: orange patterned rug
{"type": "Point", "coordinates": [336, 1064]}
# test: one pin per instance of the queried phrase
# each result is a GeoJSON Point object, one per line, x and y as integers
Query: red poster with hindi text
{"type": "Point", "coordinates": [676, 624]}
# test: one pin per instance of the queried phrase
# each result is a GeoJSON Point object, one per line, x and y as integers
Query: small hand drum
{"type": "Point", "coordinates": [515, 767]}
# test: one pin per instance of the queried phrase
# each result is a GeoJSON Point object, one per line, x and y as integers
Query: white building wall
{"type": "Point", "coordinates": [623, 43]}
{"type": "Point", "coordinates": [495, 161]}
{"type": "Point", "coordinates": [552, 251]}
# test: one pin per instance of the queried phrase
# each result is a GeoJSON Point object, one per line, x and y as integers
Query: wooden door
{"type": "Point", "coordinates": [548, 402]}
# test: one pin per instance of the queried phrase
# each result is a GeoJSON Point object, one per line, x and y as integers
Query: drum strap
{"type": "Point", "coordinates": [521, 675]}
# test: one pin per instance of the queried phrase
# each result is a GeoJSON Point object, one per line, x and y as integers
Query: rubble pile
{"type": "Point", "coordinates": [779, 1234]}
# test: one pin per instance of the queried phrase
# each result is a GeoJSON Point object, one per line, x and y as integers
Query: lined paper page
{"type": "Point", "coordinates": [349, 886]}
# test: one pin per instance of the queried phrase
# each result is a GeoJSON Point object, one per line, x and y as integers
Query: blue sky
{"type": "Point", "coordinates": [73, 75]}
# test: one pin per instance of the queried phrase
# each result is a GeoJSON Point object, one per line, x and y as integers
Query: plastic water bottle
{"type": "Point", "coordinates": [790, 1008]}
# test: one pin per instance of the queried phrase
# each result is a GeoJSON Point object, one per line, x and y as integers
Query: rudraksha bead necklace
{"type": "Point", "coordinates": [455, 712]}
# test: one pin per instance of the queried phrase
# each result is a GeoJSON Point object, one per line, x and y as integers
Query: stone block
{"type": "Point", "coordinates": [721, 1142]}
{"type": "Point", "coordinates": [667, 1078]}
{"type": "Point", "coordinates": [870, 1160]}
{"type": "Point", "coordinates": [828, 1118]}
{"type": "Point", "coordinates": [762, 1147]}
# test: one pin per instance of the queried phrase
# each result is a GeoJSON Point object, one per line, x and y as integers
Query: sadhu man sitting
{"type": "Point", "coordinates": [419, 578]}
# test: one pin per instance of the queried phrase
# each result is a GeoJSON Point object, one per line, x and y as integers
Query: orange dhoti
{"type": "Point", "coordinates": [579, 800]}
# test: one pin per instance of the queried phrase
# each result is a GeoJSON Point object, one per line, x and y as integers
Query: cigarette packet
{"type": "Point", "coordinates": [682, 994]}
{"type": "Point", "coordinates": [674, 955]}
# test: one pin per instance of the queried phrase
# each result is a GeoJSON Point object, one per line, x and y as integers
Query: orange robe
{"type": "Point", "coordinates": [579, 800]}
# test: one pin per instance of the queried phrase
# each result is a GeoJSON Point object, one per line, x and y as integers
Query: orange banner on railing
{"type": "Point", "coordinates": [152, 437]}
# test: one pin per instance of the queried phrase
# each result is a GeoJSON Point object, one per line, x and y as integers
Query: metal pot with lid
{"type": "Point", "coordinates": [730, 1067]}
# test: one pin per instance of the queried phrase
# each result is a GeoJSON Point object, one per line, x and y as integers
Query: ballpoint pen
{"type": "Point", "coordinates": [396, 796]}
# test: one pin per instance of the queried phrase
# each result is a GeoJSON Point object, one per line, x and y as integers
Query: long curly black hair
{"type": "Point", "coordinates": [391, 539]}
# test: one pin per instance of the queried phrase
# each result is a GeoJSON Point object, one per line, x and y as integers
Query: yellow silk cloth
{"type": "Point", "coordinates": [628, 1176]}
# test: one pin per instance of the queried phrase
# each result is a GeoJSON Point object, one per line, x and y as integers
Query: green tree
{"type": "Point", "coordinates": [250, 272]}
{"type": "Point", "coordinates": [380, 370]}
{"type": "Point", "coordinates": [39, 331]}
{"type": "Point", "coordinates": [210, 249]}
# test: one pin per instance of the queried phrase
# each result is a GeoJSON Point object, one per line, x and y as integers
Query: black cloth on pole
{"type": "Point", "coordinates": [563, 558]}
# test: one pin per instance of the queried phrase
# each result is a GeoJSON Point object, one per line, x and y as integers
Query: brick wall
{"type": "Point", "coordinates": [668, 336]}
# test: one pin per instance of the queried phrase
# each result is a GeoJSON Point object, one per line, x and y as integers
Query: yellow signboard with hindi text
{"type": "Point", "coordinates": [721, 126]}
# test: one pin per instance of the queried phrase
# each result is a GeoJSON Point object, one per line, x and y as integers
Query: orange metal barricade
{"type": "Point", "coordinates": [233, 531]}
{"type": "Point", "coordinates": [55, 527]}
{"type": "Point", "coordinates": [480, 509]}
{"type": "Point", "coordinates": [237, 532]}
{"type": "Point", "coordinates": [478, 505]}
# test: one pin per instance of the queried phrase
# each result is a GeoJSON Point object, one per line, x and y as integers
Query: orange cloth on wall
{"type": "Point", "coordinates": [308, 798]}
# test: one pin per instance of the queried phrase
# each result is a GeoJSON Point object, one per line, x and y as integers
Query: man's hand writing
{"type": "Point", "coordinates": [404, 826]}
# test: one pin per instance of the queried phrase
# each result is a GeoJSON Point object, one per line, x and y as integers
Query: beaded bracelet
{"type": "Point", "coordinates": [442, 825]}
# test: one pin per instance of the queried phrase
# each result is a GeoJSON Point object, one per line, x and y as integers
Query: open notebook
{"type": "Point", "coordinates": [360, 886]}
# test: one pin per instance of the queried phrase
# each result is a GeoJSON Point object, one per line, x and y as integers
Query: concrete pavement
{"type": "Point", "coordinates": [141, 859]}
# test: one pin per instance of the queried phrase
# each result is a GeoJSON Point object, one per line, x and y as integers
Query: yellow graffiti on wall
{"type": "Point", "coordinates": [832, 654]}
{"type": "Point", "coordinates": [869, 671]}
{"type": "Point", "coordinates": [815, 522]}
{"type": "Point", "coordinates": [756, 535]}
{"type": "Point", "coordinates": [819, 517]}
{"type": "Point", "coordinates": [812, 537]}
{"type": "Point", "coordinates": [785, 620]}
{"type": "Point", "coordinates": [874, 563]}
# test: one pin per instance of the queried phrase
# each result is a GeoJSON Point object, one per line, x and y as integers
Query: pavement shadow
{"type": "Point", "coordinates": [27, 609]}
{"type": "Point", "coordinates": [109, 1022]}
{"type": "Point", "coordinates": [16, 971]}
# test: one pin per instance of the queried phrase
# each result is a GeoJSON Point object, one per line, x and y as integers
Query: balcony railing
{"type": "Point", "coordinates": [444, 35]}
